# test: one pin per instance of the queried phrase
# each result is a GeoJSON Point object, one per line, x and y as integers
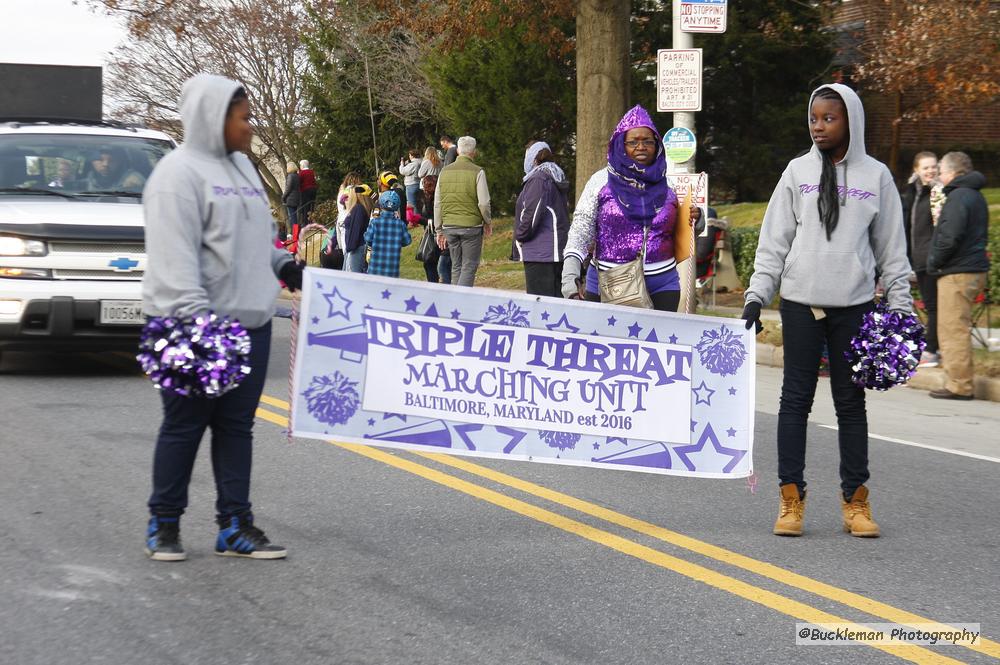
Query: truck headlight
{"type": "Point", "coordinates": [14, 246]}
{"type": "Point", "coordinates": [25, 273]}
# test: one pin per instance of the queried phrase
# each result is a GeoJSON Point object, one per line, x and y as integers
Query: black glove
{"type": "Point", "coordinates": [751, 314]}
{"type": "Point", "coordinates": [291, 275]}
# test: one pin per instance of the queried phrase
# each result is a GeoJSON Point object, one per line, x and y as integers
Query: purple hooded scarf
{"type": "Point", "coordinates": [635, 196]}
{"type": "Point", "coordinates": [641, 190]}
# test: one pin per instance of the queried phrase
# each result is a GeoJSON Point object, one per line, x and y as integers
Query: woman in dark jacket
{"type": "Point", "coordinates": [292, 197]}
{"type": "Point", "coordinates": [541, 222]}
{"type": "Point", "coordinates": [359, 205]}
{"type": "Point", "coordinates": [916, 198]}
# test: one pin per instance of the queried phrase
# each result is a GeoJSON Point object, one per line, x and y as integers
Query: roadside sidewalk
{"type": "Point", "coordinates": [986, 388]}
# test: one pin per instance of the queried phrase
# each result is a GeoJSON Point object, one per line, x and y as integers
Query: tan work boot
{"type": "Point", "coordinates": [793, 508]}
{"type": "Point", "coordinates": [858, 515]}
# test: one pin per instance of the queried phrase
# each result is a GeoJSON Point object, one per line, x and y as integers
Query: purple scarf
{"type": "Point", "coordinates": [640, 190]}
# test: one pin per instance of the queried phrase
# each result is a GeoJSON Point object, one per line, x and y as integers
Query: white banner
{"type": "Point", "coordinates": [408, 364]}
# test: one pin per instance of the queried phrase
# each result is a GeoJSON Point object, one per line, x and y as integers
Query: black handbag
{"type": "Point", "coordinates": [427, 248]}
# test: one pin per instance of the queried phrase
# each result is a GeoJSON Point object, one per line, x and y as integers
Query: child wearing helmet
{"type": "Point", "coordinates": [387, 235]}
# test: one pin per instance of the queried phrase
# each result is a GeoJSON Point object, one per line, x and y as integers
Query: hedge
{"type": "Point", "coordinates": [743, 241]}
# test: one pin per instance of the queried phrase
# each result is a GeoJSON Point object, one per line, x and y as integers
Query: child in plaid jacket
{"type": "Point", "coordinates": [387, 235]}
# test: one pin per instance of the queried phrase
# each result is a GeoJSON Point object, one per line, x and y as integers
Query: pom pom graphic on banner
{"type": "Point", "coordinates": [200, 356]}
{"type": "Point", "coordinates": [886, 350]}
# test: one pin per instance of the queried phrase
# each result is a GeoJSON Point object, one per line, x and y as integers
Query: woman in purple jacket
{"type": "Point", "coordinates": [617, 204]}
{"type": "Point", "coordinates": [541, 221]}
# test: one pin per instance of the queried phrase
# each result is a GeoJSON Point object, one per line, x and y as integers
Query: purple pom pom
{"type": "Point", "coordinates": [332, 399]}
{"type": "Point", "coordinates": [200, 356]}
{"type": "Point", "coordinates": [560, 440]}
{"type": "Point", "coordinates": [886, 350]}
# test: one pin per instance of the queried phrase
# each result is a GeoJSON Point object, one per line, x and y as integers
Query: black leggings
{"type": "Point", "coordinates": [664, 301]}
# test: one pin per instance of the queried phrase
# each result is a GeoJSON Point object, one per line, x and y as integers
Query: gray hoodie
{"type": "Point", "coordinates": [794, 255]}
{"type": "Point", "coordinates": [209, 230]}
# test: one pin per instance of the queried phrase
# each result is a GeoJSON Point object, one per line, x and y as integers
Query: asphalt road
{"type": "Point", "coordinates": [404, 558]}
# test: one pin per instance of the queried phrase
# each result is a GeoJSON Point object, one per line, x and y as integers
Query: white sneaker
{"type": "Point", "coordinates": [929, 360]}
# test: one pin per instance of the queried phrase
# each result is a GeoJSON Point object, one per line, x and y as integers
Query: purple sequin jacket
{"type": "Point", "coordinates": [599, 217]}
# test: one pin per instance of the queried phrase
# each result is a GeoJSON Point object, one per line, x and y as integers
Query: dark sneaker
{"type": "Point", "coordinates": [163, 539]}
{"type": "Point", "coordinates": [239, 537]}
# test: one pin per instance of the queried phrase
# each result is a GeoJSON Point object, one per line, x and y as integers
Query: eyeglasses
{"type": "Point", "coordinates": [647, 143]}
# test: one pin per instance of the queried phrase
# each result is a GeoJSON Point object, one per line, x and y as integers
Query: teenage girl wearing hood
{"type": "Point", "coordinates": [834, 220]}
{"type": "Point", "coordinates": [210, 245]}
{"type": "Point", "coordinates": [617, 203]}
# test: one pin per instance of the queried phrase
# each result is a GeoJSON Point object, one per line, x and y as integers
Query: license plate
{"type": "Point", "coordinates": [122, 312]}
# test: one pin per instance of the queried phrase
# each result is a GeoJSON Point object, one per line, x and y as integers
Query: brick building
{"type": "Point", "coordinates": [974, 130]}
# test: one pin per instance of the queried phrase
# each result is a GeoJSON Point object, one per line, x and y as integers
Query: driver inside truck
{"type": "Point", "coordinates": [110, 172]}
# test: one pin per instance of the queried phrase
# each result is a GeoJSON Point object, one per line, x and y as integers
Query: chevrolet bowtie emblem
{"type": "Point", "coordinates": [123, 264]}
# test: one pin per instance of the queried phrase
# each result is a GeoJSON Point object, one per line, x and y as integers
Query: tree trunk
{"type": "Point", "coordinates": [897, 121]}
{"type": "Point", "coordinates": [602, 80]}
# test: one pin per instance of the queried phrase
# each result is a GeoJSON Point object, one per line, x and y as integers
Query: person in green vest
{"type": "Point", "coordinates": [462, 212]}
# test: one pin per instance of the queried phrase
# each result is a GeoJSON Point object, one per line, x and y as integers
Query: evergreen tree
{"type": "Point", "coordinates": [506, 90]}
{"type": "Point", "coordinates": [756, 84]}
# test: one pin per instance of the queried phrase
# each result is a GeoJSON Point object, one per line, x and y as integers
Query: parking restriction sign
{"type": "Point", "coordinates": [678, 80]}
{"type": "Point", "coordinates": [703, 16]}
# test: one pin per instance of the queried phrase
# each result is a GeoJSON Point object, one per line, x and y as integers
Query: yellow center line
{"type": "Point", "coordinates": [768, 570]}
{"type": "Point", "coordinates": [777, 602]}
{"type": "Point", "coordinates": [764, 569]}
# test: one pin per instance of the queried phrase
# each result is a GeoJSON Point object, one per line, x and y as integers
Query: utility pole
{"type": "Point", "coordinates": [684, 40]}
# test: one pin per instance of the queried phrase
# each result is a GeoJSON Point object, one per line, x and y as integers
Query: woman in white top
{"type": "Point", "coordinates": [431, 165]}
{"type": "Point", "coordinates": [409, 169]}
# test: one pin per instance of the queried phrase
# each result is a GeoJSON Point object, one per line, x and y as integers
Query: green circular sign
{"type": "Point", "coordinates": [680, 144]}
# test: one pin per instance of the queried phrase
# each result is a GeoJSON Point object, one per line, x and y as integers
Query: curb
{"type": "Point", "coordinates": [985, 388]}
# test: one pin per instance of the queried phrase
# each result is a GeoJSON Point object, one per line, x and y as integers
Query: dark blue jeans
{"type": "Point", "coordinates": [804, 336]}
{"type": "Point", "coordinates": [231, 419]}
{"type": "Point", "coordinates": [444, 267]}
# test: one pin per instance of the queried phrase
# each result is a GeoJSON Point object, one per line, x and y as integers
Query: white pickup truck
{"type": "Point", "coordinates": [71, 232]}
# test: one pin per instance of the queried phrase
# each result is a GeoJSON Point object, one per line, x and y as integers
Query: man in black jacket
{"type": "Point", "coordinates": [958, 255]}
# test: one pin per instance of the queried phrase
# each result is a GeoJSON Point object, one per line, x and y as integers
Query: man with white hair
{"type": "Point", "coordinates": [462, 212]}
{"type": "Point", "coordinates": [307, 187]}
{"type": "Point", "coordinates": [958, 255]}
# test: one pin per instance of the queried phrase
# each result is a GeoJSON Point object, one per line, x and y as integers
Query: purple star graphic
{"type": "Point", "coordinates": [709, 435]}
{"type": "Point", "coordinates": [594, 332]}
{"type": "Point", "coordinates": [707, 398]}
{"type": "Point", "coordinates": [673, 339]}
{"type": "Point", "coordinates": [731, 432]}
{"type": "Point", "coordinates": [371, 422]}
{"type": "Point", "coordinates": [694, 423]}
{"type": "Point", "coordinates": [563, 324]}
{"type": "Point", "coordinates": [386, 294]}
{"type": "Point", "coordinates": [545, 316]}
{"type": "Point", "coordinates": [411, 304]}
{"type": "Point", "coordinates": [315, 319]}
{"type": "Point", "coordinates": [319, 285]}
{"type": "Point", "coordinates": [633, 330]}
{"type": "Point", "coordinates": [455, 314]}
{"type": "Point", "coordinates": [339, 305]}
{"type": "Point", "coordinates": [612, 321]}
{"type": "Point", "coordinates": [597, 446]}
{"type": "Point", "coordinates": [732, 391]}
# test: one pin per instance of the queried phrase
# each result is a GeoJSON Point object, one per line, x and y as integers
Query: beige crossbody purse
{"type": "Point", "coordinates": [626, 284]}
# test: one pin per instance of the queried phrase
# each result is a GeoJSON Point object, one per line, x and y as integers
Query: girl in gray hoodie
{"type": "Point", "coordinates": [834, 222]}
{"type": "Point", "coordinates": [210, 245]}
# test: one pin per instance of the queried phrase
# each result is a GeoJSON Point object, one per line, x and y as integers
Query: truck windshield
{"type": "Point", "coordinates": [84, 167]}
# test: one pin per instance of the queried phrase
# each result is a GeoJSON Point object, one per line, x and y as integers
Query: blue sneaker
{"type": "Point", "coordinates": [239, 537]}
{"type": "Point", "coordinates": [163, 539]}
